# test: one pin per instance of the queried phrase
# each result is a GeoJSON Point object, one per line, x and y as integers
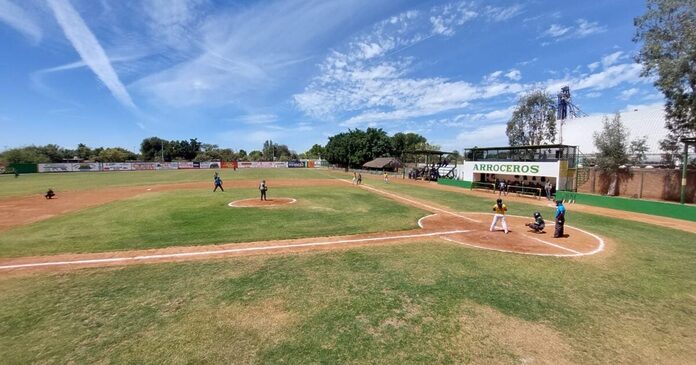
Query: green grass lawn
{"type": "Point", "coordinates": [422, 302]}
{"type": "Point", "coordinates": [197, 217]}
{"type": "Point", "coordinates": [28, 184]}
{"type": "Point", "coordinates": [427, 302]}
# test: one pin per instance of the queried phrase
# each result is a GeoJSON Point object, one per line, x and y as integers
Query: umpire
{"type": "Point", "coordinates": [560, 219]}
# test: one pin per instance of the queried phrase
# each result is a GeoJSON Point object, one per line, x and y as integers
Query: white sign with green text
{"type": "Point", "coordinates": [469, 168]}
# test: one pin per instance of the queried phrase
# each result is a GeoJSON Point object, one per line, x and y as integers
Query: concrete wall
{"type": "Point", "coordinates": [658, 184]}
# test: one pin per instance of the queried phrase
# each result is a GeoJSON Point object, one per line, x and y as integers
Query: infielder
{"type": "Point", "coordinates": [218, 183]}
{"type": "Point", "coordinates": [499, 208]}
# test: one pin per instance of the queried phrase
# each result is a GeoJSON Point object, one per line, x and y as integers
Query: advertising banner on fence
{"type": "Point", "coordinates": [196, 165]}
{"type": "Point", "coordinates": [296, 164]}
{"type": "Point", "coordinates": [269, 164]}
{"type": "Point", "coordinates": [86, 166]}
{"type": "Point", "coordinates": [245, 165]}
{"type": "Point", "coordinates": [185, 165]}
{"type": "Point", "coordinates": [210, 165]}
{"type": "Point", "coordinates": [116, 166]}
{"type": "Point", "coordinates": [144, 165]}
{"type": "Point", "coordinates": [229, 164]}
{"type": "Point", "coordinates": [55, 167]}
{"type": "Point", "coordinates": [167, 165]}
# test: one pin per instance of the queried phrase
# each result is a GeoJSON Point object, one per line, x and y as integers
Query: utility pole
{"type": "Point", "coordinates": [162, 149]}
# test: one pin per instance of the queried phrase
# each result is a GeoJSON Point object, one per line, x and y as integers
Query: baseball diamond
{"type": "Point", "coordinates": [347, 182]}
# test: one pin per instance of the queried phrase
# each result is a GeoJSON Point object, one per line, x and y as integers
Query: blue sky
{"type": "Point", "coordinates": [237, 73]}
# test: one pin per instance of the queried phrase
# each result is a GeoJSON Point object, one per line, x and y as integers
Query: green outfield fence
{"type": "Point", "coordinates": [665, 209]}
{"type": "Point", "coordinates": [24, 168]}
{"type": "Point", "coordinates": [458, 183]}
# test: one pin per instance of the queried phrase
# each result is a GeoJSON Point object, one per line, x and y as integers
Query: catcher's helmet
{"type": "Point", "coordinates": [537, 214]}
{"type": "Point", "coordinates": [499, 201]}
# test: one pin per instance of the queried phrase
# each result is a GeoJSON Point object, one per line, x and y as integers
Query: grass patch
{"type": "Point", "coordinates": [197, 217]}
{"type": "Point", "coordinates": [427, 302]}
{"type": "Point", "coordinates": [28, 184]}
{"type": "Point", "coordinates": [424, 302]}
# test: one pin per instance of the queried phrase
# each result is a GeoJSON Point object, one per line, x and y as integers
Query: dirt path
{"type": "Point", "coordinates": [29, 209]}
{"type": "Point", "coordinates": [680, 224]}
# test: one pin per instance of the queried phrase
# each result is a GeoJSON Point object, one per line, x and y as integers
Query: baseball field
{"type": "Point", "coordinates": [155, 267]}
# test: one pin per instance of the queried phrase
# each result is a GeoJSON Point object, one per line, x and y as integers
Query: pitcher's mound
{"type": "Point", "coordinates": [255, 202]}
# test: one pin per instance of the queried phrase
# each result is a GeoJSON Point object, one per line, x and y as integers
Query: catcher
{"type": "Point", "coordinates": [538, 225]}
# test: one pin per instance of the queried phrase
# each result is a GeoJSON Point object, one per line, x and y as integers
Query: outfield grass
{"type": "Point", "coordinates": [28, 184]}
{"type": "Point", "coordinates": [426, 302]}
{"type": "Point", "coordinates": [197, 217]}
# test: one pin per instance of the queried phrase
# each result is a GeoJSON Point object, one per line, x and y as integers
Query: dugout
{"type": "Point", "coordinates": [525, 169]}
{"type": "Point", "coordinates": [429, 164]}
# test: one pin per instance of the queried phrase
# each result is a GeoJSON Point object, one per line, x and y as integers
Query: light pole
{"type": "Point", "coordinates": [686, 142]}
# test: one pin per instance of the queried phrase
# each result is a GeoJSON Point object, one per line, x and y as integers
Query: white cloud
{"type": "Point", "coordinates": [627, 94]}
{"type": "Point", "coordinates": [514, 75]}
{"type": "Point", "coordinates": [634, 107]}
{"type": "Point", "coordinates": [89, 49]}
{"type": "Point", "coordinates": [611, 59]}
{"type": "Point", "coordinates": [486, 136]}
{"type": "Point", "coordinates": [497, 14]}
{"type": "Point", "coordinates": [17, 18]}
{"type": "Point", "coordinates": [241, 53]}
{"type": "Point", "coordinates": [593, 66]}
{"type": "Point", "coordinates": [556, 30]}
{"type": "Point", "coordinates": [581, 29]}
{"type": "Point", "coordinates": [586, 28]}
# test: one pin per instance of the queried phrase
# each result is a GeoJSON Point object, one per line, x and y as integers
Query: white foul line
{"type": "Point", "coordinates": [227, 251]}
{"type": "Point", "coordinates": [555, 245]}
{"type": "Point", "coordinates": [414, 202]}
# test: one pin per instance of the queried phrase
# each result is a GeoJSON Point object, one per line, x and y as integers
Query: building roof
{"type": "Point", "coordinates": [382, 162]}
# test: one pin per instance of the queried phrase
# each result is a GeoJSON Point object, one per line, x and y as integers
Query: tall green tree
{"type": "Point", "coordinates": [612, 150]}
{"type": "Point", "coordinates": [668, 32]}
{"type": "Point", "coordinates": [317, 151]}
{"type": "Point", "coordinates": [402, 142]}
{"type": "Point", "coordinates": [533, 121]}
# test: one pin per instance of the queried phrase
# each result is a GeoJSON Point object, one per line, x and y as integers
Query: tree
{"type": "Point", "coordinates": [268, 150]}
{"type": "Point", "coordinates": [638, 149]}
{"type": "Point", "coordinates": [315, 152]}
{"type": "Point", "coordinates": [534, 120]}
{"type": "Point", "coordinates": [115, 155]}
{"type": "Point", "coordinates": [243, 155]}
{"type": "Point", "coordinates": [255, 155]}
{"type": "Point", "coordinates": [612, 144]}
{"type": "Point", "coordinates": [355, 147]}
{"type": "Point", "coordinates": [668, 53]}
{"type": "Point", "coordinates": [153, 147]}
{"type": "Point", "coordinates": [402, 142]}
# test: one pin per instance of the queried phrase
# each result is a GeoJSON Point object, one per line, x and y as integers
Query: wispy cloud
{"type": "Point", "coordinates": [17, 18]}
{"type": "Point", "coordinates": [499, 14]}
{"type": "Point", "coordinates": [581, 29]}
{"type": "Point", "coordinates": [238, 52]}
{"type": "Point", "coordinates": [89, 49]}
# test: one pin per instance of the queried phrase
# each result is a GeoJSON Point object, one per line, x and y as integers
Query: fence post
{"type": "Point", "coordinates": [640, 192]}
{"type": "Point", "coordinates": [682, 198]}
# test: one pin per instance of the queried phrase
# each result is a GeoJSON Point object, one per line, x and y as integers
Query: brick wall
{"type": "Point", "coordinates": [658, 184]}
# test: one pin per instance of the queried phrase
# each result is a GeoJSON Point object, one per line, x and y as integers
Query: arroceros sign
{"type": "Point", "coordinates": [510, 169]}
